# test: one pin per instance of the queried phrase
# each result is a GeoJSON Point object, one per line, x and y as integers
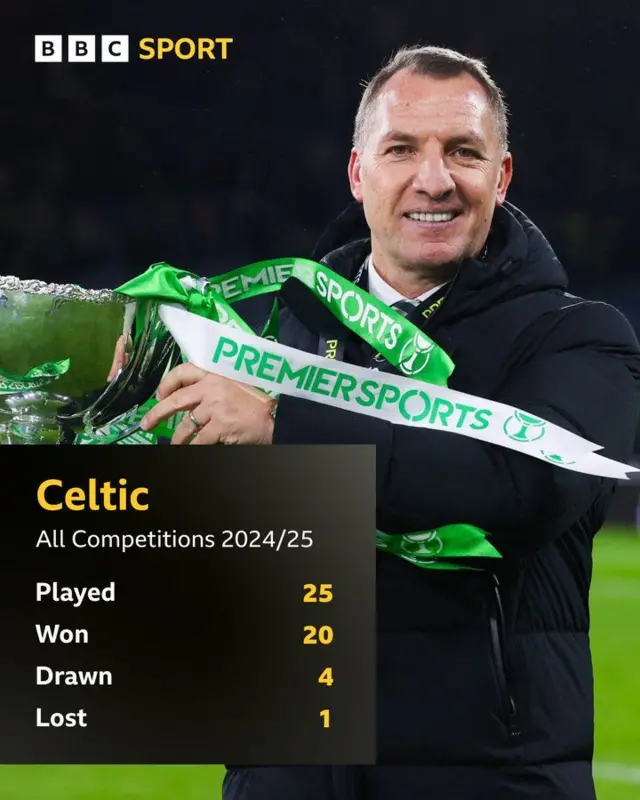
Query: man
{"type": "Point", "coordinates": [485, 677]}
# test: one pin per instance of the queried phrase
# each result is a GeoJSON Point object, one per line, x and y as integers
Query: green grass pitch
{"type": "Point", "coordinates": [616, 649]}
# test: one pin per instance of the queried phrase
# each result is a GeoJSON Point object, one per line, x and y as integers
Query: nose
{"type": "Point", "coordinates": [433, 177]}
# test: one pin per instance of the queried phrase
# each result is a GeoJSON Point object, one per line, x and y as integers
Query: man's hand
{"type": "Point", "coordinates": [120, 357]}
{"type": "Point", "coordinates": [222, 411]}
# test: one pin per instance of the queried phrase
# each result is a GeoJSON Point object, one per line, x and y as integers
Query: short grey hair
{"type": "Point", "coordinates": [436, 62]}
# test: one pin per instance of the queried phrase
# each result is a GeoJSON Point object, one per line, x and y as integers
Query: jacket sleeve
{"type": "Point", "coordinates": [584, 376]}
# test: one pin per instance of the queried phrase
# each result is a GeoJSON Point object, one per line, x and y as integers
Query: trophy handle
{"type": "Point", "coordinates": [154, 351]}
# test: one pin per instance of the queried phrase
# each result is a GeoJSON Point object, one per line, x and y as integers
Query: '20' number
{"type": "Point", "coordinates": [321, 635]}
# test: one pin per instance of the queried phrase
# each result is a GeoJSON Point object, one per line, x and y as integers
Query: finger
{"type": "Point", "coordinates": [181, 400]}
{"type": "Point", "coordinates": [186, 430]}
{"type": "Point", "coordinates": [182, 375]}
{"type": "Point", "coordinates": [120, 357]}
{"type": "Point", "coordinates": [208, 434]}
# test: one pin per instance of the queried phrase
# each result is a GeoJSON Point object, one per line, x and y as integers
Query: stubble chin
{"type": "Point", "coordinates": [436, 262]}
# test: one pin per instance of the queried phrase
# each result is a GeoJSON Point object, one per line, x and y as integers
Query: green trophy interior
{"type": "Point", "coordinates": [37, 328]}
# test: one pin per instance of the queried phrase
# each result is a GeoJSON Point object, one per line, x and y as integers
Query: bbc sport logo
{"type": "Point", "coordinates": [56, 48]}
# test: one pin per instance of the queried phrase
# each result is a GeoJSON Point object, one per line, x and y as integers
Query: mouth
{"type": "Point", "coordinates": [432, 217]}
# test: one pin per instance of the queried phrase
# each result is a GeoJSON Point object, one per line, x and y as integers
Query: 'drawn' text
{"type": "Point", "coordinates": [72, 677]}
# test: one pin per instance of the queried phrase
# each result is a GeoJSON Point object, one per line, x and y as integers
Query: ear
{"type": "Point", "coordinates": [504, 178]}
{"type": "Point", "coordinates": [354, 175]}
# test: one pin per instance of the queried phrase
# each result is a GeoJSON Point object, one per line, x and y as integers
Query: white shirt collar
{"type": "Point", "coordinates": [380, 289]}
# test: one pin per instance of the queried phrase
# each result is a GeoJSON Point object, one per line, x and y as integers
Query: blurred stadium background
{"type": "Point", "coordinates": [105, 169]}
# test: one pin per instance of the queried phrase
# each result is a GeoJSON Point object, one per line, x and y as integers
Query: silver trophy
{"type": "Point", "coordinates": [57, 345]}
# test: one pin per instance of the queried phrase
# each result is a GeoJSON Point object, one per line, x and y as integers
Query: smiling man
{"type": "Point", "coordinates": [485, 685]}
{"type": "Point", "coordinates": [429, 164]}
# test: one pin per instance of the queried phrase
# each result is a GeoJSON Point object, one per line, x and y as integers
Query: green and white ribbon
{"type": "Point", "coordinates": [35, 378]}
{"type": "Point", "coordinates": [383, 328]}
{"type": "Point", "coordinates": [213, 336]}
{"type": "Point", "coordinates": [250, 359]}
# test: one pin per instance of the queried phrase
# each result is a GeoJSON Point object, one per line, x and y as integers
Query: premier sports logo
{"type": "Point", "coordinates": [524, 428]}
{"type": "Point", "coordinates": [426, 544]}
{"type": "Point", "coordinates": [554, 458]}
{"type": "Point", "coordinates": [415, 355]}
{"type": "Point", "coordinates": [410, 404]}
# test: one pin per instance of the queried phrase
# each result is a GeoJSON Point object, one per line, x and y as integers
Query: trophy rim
{"type": "Point", "coordinates": [16, 401]}
{"type": "Point", "coordinates": [66, 291]}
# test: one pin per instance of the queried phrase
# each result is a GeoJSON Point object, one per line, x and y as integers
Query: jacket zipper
{"type": "Point", "coordinates": [497, 626]}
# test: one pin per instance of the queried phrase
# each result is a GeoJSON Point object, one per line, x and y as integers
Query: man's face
{"type": "Point", "coordinates": [430, 147]}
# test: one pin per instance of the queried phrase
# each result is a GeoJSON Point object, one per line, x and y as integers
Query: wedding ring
{"type": "Point", "coordinates": [194, 421]}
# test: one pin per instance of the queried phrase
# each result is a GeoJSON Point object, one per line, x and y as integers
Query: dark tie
{"type": "Point", "coordinates": [403, 307]}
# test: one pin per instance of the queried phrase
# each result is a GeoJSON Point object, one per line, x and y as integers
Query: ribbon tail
{"type": "Point", "coordinates": [593, 464]}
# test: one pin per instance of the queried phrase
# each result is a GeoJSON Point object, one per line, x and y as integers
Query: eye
{"type": "Point", "coordinates": [465, 152]}
{"type": "Point", "coordinates": [399, 149]}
